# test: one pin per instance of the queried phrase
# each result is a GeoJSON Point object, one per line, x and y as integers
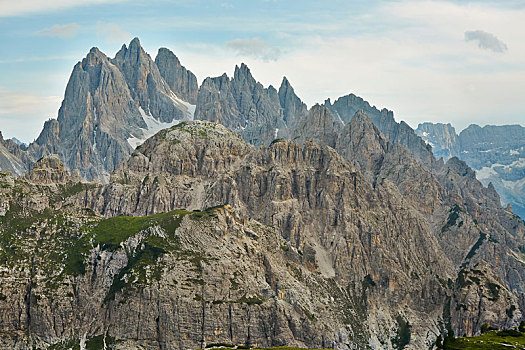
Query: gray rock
{"type": "Point", "coordinates": [180, 80]}
{"type": "Point", "coordinates": [241, 104]}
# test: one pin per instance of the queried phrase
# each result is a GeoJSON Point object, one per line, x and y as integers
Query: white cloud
{"type": "Point", "coordinates": [65, 31]}
{"type": "Point", "coordinates": [112, 32]}
{"type": "Point", "coordinates": [256, 48]}
{"type": "Point", "coordinates": [486, 40]}
{"type": "Point", "coordinates": [13, 8]}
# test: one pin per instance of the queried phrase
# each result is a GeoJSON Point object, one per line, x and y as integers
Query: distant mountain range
{"type": "Point", "coordinates": [497, 154]}
{"type": "Point", "coordinates": [157, 214]}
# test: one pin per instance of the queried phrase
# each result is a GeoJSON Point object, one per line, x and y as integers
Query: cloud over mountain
{"type": "Point", "coordinates": [63, 31]}
{"type": "Point", "coordinates": [256, 48]}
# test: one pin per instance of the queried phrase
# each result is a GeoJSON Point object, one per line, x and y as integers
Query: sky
{"type": "Point", "coordinates": [461, 62]}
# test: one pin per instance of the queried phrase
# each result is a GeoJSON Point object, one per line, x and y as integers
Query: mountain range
{"type": "Point", "coordinates": [496, 153]}
{"type": "Point", "coordinates": [157, 214]}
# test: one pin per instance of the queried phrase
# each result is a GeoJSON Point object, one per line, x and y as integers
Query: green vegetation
{"type": "Point", "coordinates": [491, 339]}
{"type": "Point", "coordinates": [402, 337]}
{"type": "Point", "coordinates": [110, 233]}
{"type": "Point", "coordinates": [216, 345]}
{"type": "Point", "coordinates": [57, 243]}
{"type": "Point", "coordinates": [256, 300]}
{"type": "Point", "coordinates": [277, 140]}
{"type": "Point", "coordinates": [453, 217]}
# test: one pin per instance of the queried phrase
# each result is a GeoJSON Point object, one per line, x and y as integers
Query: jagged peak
{"type": "Point", "coordinates": [134, 48]}
{"type": "Point", "coordinates": [286, 87]}
{"type": "Point", "coordinates": [361, 116]}
{"type": "Point", "coordinates": [460, 167]}
{"type": "Point", "coordinates": [165, 52]}
{"type": "Point", "coordinates": [135, 42]}
{"type": "Point", "coordinates": [318, 108]}
{"type": "Point", "coordinates": [361, 121]}
{"type": "Point", "coordinates": [285, 82]}
{"type": "Point", "coordinates": [242, 72]}
{"type": "Point", "coordinates": [94, 57]}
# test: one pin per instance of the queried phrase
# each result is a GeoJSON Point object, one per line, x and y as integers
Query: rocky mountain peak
{"type": "Point", "coordinates": [133, 52]}
{"type": "Point", "coordinates": [362, 143]}
{"type": "Point", "coordinates": [51, 162]}
{"type": "Point", "coordinates": [361, 118]}
{"type": "Point", "coordinates": [318, 125]}
{"type": "Point", "coordinates": [94, 58]}
{"type": "Point", "coordinates": [285, 84]}
{"type": "Point", "coordinates": [110, 106]}
{"type": "Point", "coordinates": [292, 106]}
{"type": "Point", "coordinates": [242, 104]}
{"type": "Point", "coordinates": [147, 87]}
{"type": "Point", "coordinates": [180, 80]}
{"type": "Point", "coordinates": [460, 167]}
{"type": "Point", "coordinates": [442, 138]}
{"type": "Point", "coordinates": [243, 73]}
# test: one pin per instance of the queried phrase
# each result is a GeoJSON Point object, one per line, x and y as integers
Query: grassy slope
{"type": "Point", "coordinates": [493, 340]}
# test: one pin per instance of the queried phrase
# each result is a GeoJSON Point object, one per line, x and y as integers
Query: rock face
{"type": "Point", "coordinates": [50, 170]}
{"type": "Point", "coordinates": [180, 80]}
{"type": "Point", "coordinates": [302, 249]}
{"type": "Point", "coordinates": [146, 85]}
{"type": "Point", "coordinates": [293, 108]}
{"type": "Point", "coordinates": [319, 125]}
{"type": "Point", "coordinates": [243, 105]}
{"type": "Point", "coordinates": [442, 138]}
{"type": "Point", "coordinates": [497, 153]}
{"type": "Point", "coordinates": [8, 157]}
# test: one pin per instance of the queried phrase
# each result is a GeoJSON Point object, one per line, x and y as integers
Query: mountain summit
{"type": "Point", "coordinates": [111, 106]}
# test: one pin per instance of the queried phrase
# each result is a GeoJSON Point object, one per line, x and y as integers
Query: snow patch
{"type": "Point", "coordinates": [514, 152]}
{"type": "Point", "coordinates": [187, 108]}
{"type": "Point", "coordinates": [276, 131]}
{"type": "Point", "coordinates": [486, 173]}
{"type": "Point", "coordinates": [424, 133]}
{"type": "Point", "coordinates": [515, 186]}
{"type": "Point", "coordinates": [153, 126]}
